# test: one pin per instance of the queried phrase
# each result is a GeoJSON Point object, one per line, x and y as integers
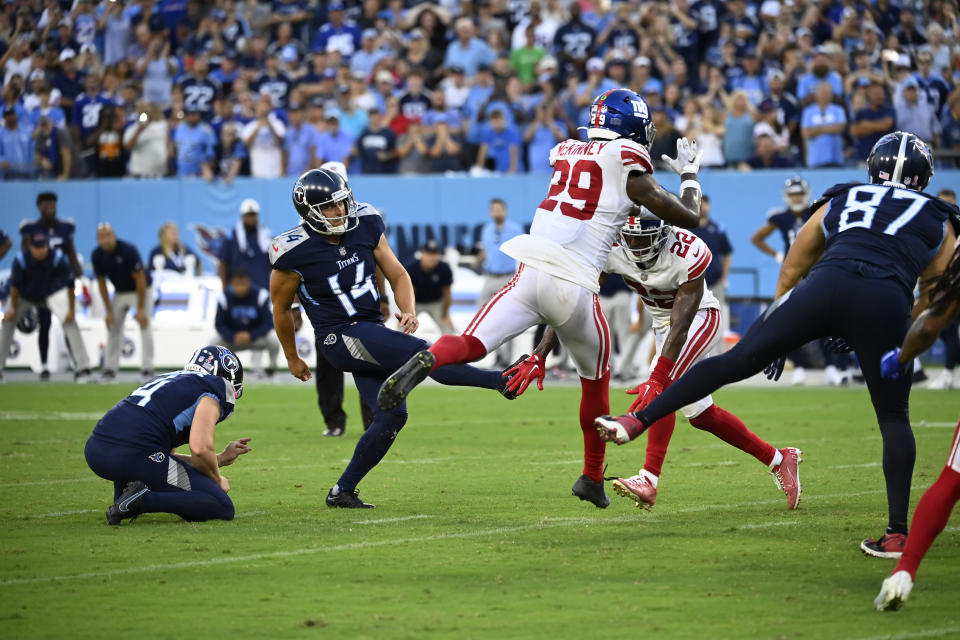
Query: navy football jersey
{"type": "Point", "coordinates": [787, 224]}
{"type": "Point", "coordinates": [60, 232]}
{"type": "Point", "coordinates": [896, 230]}
{"type": "Point", "coordinates": [159, 414]}
{"type": "Point", "coordinates": [338, 281]}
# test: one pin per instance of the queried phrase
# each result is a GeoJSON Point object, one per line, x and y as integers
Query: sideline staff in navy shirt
{"type": "Point", "coordinates": [432, 278]}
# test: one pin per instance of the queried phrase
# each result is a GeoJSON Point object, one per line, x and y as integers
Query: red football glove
{"type": "Point", "coordinates": [659, 380]}
{"type": "Point", "coordinates": [524, 372]}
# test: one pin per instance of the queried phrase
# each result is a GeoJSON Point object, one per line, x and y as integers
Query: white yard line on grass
{"type": "Point", "coordinates": [544, 523]}
{"type": "Point", "coordinates": [765, 525]}
{"type": "Point", "coordinates": [935, 425]}
{"type": "Point", "coordinates": [855, 466]}
{"type": "Point", "coordinates": [927, 633]}
{"type": "Point", "coordinates": [60, 514]}
{"type": "Point", "coordinates": [419, 516]}
{"type": "Point", "coordinates": [49, 415]}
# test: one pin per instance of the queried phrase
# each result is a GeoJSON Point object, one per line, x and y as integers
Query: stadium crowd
{"type": "Point", "coordinates": [219, 89]}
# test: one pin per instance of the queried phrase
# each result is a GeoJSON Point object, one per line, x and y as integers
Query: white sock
{"type": "Point", "coordinates": [777, 459]}
{"type": "Point", "coordinates": [336, 488]}
{"type": "Point", "coordinates": [650, 477]}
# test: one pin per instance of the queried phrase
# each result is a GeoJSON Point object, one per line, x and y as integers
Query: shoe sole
{"type": "Point", "coordinates": [622, 490]}
{"type": "Point", "coordinates": [867, 551]}
{"type": "Point", "coordinates": [349, 506]}
{"type": "Point", "coordinates": [398, 386]}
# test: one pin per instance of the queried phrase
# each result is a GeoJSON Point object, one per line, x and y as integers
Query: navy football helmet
{"type": "Point", "coordinates": [218, 361]}
{"type": "Point", "coordinates": [319, 188]}
{"type": "Point", "coordinates": [900, 159]}
{"type": "Point", "coordinates": [644, 239]}
{"type": "Point", "coordinates": [29, 322]}
{"type": "Point", "coordinates": [621, 113]}
{"type": "Point", "coordinates": [796, 193]}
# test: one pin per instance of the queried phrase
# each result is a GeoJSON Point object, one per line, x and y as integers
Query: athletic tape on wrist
{"type": "Point", "coordinates": [689, 184]}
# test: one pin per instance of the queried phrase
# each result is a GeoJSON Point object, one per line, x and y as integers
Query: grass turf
{"type": "Point", "coordinates": [476, 533]}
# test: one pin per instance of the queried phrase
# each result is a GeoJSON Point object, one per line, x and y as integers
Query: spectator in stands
{"type": "Point", "coordinates": [246, 248]}
{"type": "Point", "coordinates": [107, 141]}
{"type": "Point", "coordinates": [820, 71]}
{"type": "Point", "coordinates": [364, 60]}
{"type": "Point", "coordinates": [909, 34]}
{"type": "Point", "coordinates": [951, 127]}
{"type": "Point", "coordinates": [769, 124]}
{"type": "Point", "coordinates": [872, 122]}
{"type": "Point", "coordinates": [823, 125]}
{"type": "Point", "coordinates": [199, 91]}
{"type": "Point", "coordinates": [244, 319]}
{"type": "Point", "coordinates": [172, 255]}
{"type": "Point", "coordinates": [499, 145]}
{"type": "Point", "coordinates": [116, 26]}
{"type": "Point", "coordinates": [414, 150]}
{"type": "Point", "coordinates": [264, 138]}
{"type": "Point", "coordinates": [929, 82]}
{"type": "Point", "coordinates": [194, 143]}
{"type": "Point", "coordinates": [334, 144]}
{"type": "Point", "coordinates": [376, 148]}
{"type": "Point", "coordinates": [524, 59]}
{"type": "Point", "coordinates": [231, 158]}
{"type": "Point", "coordinates": [542, 134]}
{"type": "Point", "coordinates": [915, 114]}
{"type": "Point", "coordinates": [41, 278]}
{"type": "Point", "coordinates": [666, 138]}
{"type": "Point", "coordinates": [767, 156]}
{"type": "Point", "coordinates": [85, 118]}
{"type": "Point", "coordinates": [467, 51]}
{"type": "Point", "coordinates": [157, 70]}
{"type": "Point", "coordinates": [445, 147]}
{"type": "Point", "coordinates": [574, 41]}
{"type": "Point", "coordinates": [432, 279]}
{"type": "Point", "coordinates": [45, 106]}
{"type": "Point", "coordinates": [338, 34]}
{"type": "Point", "coordinates": [51, 150]}
{"type": "Point", "coordinates": [738, 130]}
{"type": "Point", "coordinates": [67, 80]}
{"type": "Point", "coordinates": [300, 143]}
{"type": "Point", "coordinates": [273, 82]}
{"type": "Point", "coordinates": [751, 81]}
{"type": "Point", "coordinates": [145, 140]}
{"type": "Point", "coordinates": [415, 102]}
{"type": "Point", "coordinates": [17, 159]}
{"type": "Point", "coordinates": [120, 262]}
{"type": "Point", "coordinates": [718, 273]}
{"type": "Point", "coordinates": [352, 119]}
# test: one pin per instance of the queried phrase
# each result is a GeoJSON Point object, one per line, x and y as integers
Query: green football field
{"type": "Point", "coordinates": [475, 532]}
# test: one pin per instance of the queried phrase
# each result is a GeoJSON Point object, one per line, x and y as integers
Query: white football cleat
{"type": "Point", "coordinates": [942, 381]}
{"type": "Point", "coordinates": [894, 592]}
{"type": "Point", "coordinates": [799, 377]}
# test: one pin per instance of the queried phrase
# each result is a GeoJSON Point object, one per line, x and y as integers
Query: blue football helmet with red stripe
{"type": "Point", "coordinates": [218, 361]}
{"type": "Point", "coordinates": [621, 113]}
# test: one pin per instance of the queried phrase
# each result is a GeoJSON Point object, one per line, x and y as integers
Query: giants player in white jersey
{"type": "Point", "coordinates": [595, 186]}
{"type": "Point", "coordinates": [666, 266]}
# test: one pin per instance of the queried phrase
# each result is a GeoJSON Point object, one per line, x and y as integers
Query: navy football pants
{"type": "Point", "coordinates": [371, 352]}
{"type": "Point", "coordinates": [175, 487]}
{"type": "Point", "coordinates": [872, 314]}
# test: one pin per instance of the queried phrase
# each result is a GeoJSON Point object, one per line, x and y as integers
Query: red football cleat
{"type": "Point", "coordinates": [890, 545]}
{"type": "Point", "coordinates": [638, 488]}
{"type": "Point", "coordinates": [787, 475]}
{"type": "Point", "coordinates": [619, 429]}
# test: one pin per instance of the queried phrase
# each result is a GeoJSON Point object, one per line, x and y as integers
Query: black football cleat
{"type": "Point", "coordinates": [504, 379]}
{"type": "Point", "coordinates": [586, 488]}
{"type": "Point", "coordinates": [347, 500]}
{"type": "Point", "coordinates": [398, 386]}
{"type": "Point", "coordinates": [128, 504]}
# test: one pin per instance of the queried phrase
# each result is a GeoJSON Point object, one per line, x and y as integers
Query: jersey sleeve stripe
{"type": "Point", "coordinates": [697, 270]}
{"type": "Point", "coordinates": [636, 157]}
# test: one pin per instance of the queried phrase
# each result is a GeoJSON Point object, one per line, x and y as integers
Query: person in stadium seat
{"type": "Point", "coordinates": [134, 443]}
{"type": "Point", "coordinates": [850, 274]}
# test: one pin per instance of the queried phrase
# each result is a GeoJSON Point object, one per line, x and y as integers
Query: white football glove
{"type": "Point", "coordinates": [688, 157]}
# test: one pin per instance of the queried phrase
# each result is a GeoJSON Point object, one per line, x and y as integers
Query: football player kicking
{"type": "Point", "coordinates": [330, 260]}
{"type": "Point", "coordinates": [133, 443]}
{"type": "Point", "coordinates": [850, 274]}
{"type": "Point", "coordinates": [595, 186]}
{"type": "Point", "coordinates": [933, 510]}
{"type": "Point", "coordinates": [686, 321]}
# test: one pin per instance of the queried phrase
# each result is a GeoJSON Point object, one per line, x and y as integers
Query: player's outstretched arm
{"type": "Point", "coordinates": [683, 211]}
{"type": "Point", "coordinates": [803, 254]}
{"type": "Point", "coordinates": [685, 307]}
{"type": "Point", "coordinates": [937, 268]}
{"type": "Point", "coordinates": [283, 290]}
{"type": "Point", "coordinates": [400, 281]}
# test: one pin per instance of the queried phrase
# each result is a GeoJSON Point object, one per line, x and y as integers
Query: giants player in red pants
{"type": "Point", "coordinates": [666, 267]}
{"type": "Point", "coordinates": [594, 187]}
{"type": "Point", "coordinates": [933, 510]}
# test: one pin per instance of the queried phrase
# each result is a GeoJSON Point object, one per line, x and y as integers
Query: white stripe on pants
{"type": "Point", "coordinates": [701, 337]}
{"type": "Point", "coordinates": [120, 306]}
{"type": "Point", "coordinates": [58, 303]}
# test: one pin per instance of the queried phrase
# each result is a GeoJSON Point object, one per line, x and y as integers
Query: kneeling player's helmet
{"type": "Point", "coordinates": [218, 361]}
{"type": "Point", "coordinates": [796, 193]}
{"type": "Point", "coordinates": [320, 188]}
{"type": "Point", "coordinates": [29, 322]}
{"type": "Point", "coordinates": [643, 239]}
{"type": "Point", "coordinates": [900, 159]}
{"type": "Point", "coordinates": [621, 113]}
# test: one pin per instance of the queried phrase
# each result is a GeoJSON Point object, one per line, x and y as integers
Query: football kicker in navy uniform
{"type": "Point", "coordinates": [336, 275]}
{"type": "Point", "coordinates": [133, 444]}
{"type": "Point", "coordinates": [873, 242]}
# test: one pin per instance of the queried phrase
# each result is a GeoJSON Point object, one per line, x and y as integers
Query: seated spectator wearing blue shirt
{"type": "Point", "coordinates": [338, 34]}
{"type": "Point", "coordinates": [376, 147]}
{"type": "Point", "coordinates": [300, 142]}
{"type": "Point", "coordinates": [541, 135]}
{"type": "Point", "coordinates": [821, 71]}
{"type": "Point", "coordinates": [334, 144]}
{"type": "Point", "coordinates": [364, 60]}
{"type": "Point", "coordinates": [823, 124]}
{"type": "Point", "coordinates": [873, 122]}
{"type": "Point", "coordinates": [467, 51]}
{"type": "Point", "coordinates": [244, 319]}
{"type": "Point", "coordinates": [16, 147]}
{"type": "Point", "coordinates": [751, 80]}
{"type": "Point", "coordinates": [195, 144]}
{"type": "Point", "coordinates": [120, 262]}
{"type": "Point", "coordinates": [499, 145]}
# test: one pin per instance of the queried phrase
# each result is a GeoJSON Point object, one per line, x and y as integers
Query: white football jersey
{"type": "Point", "coordinates": [577, 223]}
{"type": "Point", "coordinates": [684, 257]}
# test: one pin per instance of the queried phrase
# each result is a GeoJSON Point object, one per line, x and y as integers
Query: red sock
{"type": "Point", "coordinates": [731, 430]}
{"type": "Point", "coordinates": [457, 350]}
{"type": "Point", "coordinates": [658, 439]}
{"type": "Point", "coordinates": [931, 516]}
{"type": "Point", "coordinates": [594, 402]}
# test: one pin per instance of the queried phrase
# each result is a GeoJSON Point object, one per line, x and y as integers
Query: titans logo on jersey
{"type": "Point", "coordinates": [896, 230]}
{"type": "Point", "coordinates": [159, 414]}
{"type": "Point", "coordinates": [338, 281]}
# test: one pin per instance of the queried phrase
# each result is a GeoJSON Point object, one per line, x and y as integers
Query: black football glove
{"type": "Point", "coordinates": [774, 370]}
{"type": "Point", "coordinates": [837, 345]}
